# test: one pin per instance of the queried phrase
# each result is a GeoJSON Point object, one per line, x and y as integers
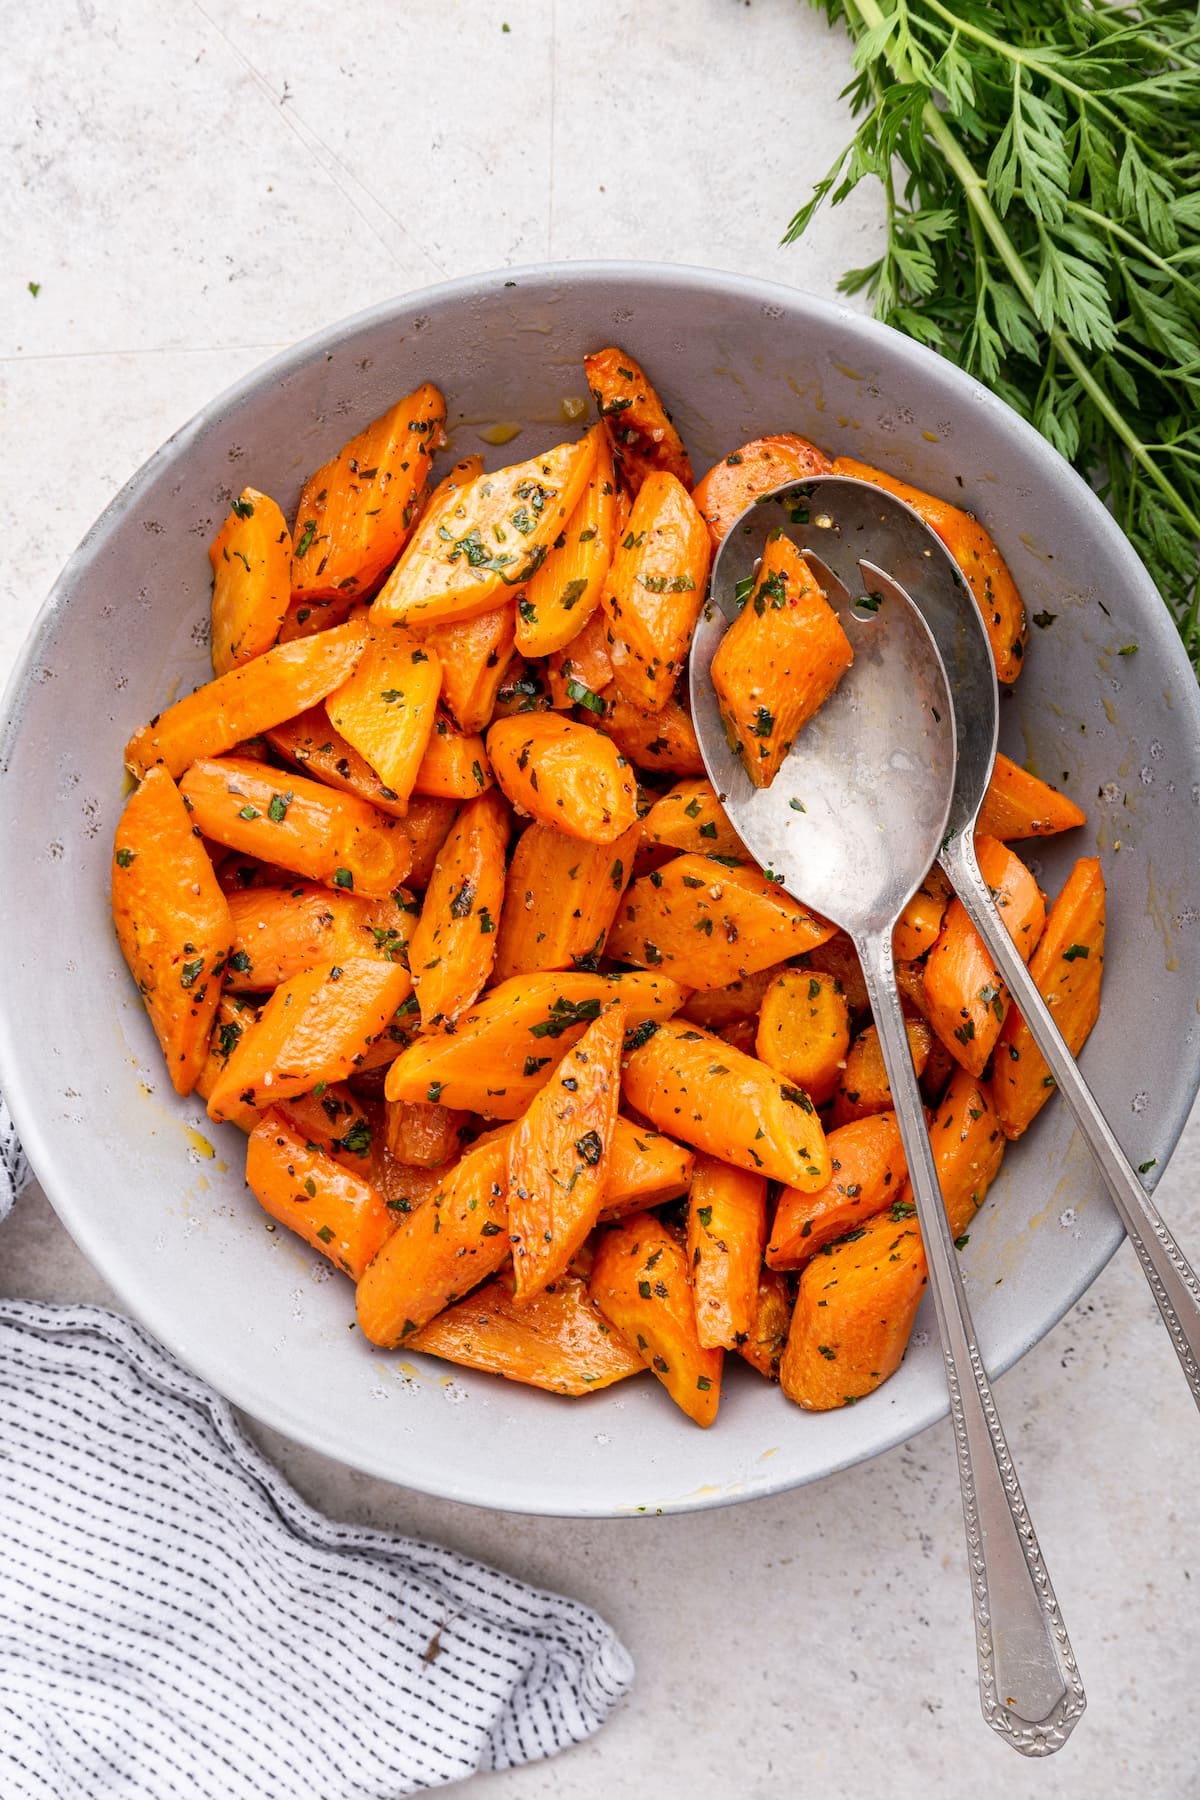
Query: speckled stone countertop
{"type": "Point", "coordinates": [190, 186]}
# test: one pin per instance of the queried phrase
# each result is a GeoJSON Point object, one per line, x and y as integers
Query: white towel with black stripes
{"type": "Point", "coordinates": [176, 1623]}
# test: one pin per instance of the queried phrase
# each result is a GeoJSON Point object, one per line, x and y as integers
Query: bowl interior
{"type": "Point", "coordinates": [154, 1193]}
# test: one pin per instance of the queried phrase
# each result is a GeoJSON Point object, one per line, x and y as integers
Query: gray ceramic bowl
{"type": "Point", "coordinates": [128, 1166]}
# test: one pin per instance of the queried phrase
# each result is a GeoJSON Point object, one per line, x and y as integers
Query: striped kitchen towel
{"type": "Point", "coordinates": [176, 1623]}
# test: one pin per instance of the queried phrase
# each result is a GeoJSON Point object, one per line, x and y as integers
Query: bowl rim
{"type": "Point", "coordinates": [255, 1396]}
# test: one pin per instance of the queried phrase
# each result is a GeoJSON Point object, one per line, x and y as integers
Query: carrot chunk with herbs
{"type": "Point", "coordinates": [772, 1317]}
{"type": "Point", "coordinates": [455, 765]}
{"type": "Point", "coordinates": [690, 817]}
{"type": "Point", "coordinates": [561, 596]}
{"type": "Point", "coordinates": [968, 1148]}
{"type": "Point", "coordinates": [560, 900]}
{"type": "Point", "coordinates": [235, 1015]}
{"type": "Point", "coordinates": [737, 1003]}
{"type": "Point", "coordinates": [564, 774]}
{"type": "Point", "coordinates": [453, 943]}
{"type": "Point", "coordinates": [662, 742]}
{"type": "Point", "coordinates": [778, 662]}
{"type": "Point", "coordinates": [655, 589]}
{"type": "Point", "coordinates": [355, 512]}
{"type": "Point", "coordinates": [644, 1169]}
{"type": "Point", "coordinates": [555, 1340]}
{"type": "Point", "coordinates": [726, 1232]}
{"type": "Point", "coordinates": [804, 1030]}
{"type": "Point", "coordinates": [386, 710]}
{"type": "Point", "coordinates": [578, 674]}
{"type": "Point", "coordinates": [251, 559]}
{"type": "Point", "coordinates": [966, 998]}
{"type": "Point", "coordinates": [737, 480]}
{"type": "Point", "coordinates": [869, 1172]}
{"type": "Point", "coordinates": [639, 427]}
{"type": "Point", "coordinates": [279, 932]}
{"type": "Point", "coordinates": [336, 1211]}
{"type": "Point", "coordinates": [172, 922]}
{"type": "Point", "coordinates": [1019, 805]}
{"type": "Point", "coordinates": [559, 1154]}
{"type": "Point", "coordinates": [1067, 967]}
{"type": "Point", "coordinates": [422, 1135]}
{"type": "Point", "coordinates": [720, 1100]}
{"type": "Point", "coordinates": [864, 1088]}
{"type": "Point", "coordinates": [640, 1283]}
{"type": "Point", "coordinates": [918, 925]}
{"type": "Point", "coordinates": [475, 655]}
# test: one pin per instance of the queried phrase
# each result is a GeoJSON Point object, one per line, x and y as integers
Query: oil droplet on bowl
{"type": "Point", "coordinates": [199, 1142]}
{"type": "Point", "coordinates": [501, 433]}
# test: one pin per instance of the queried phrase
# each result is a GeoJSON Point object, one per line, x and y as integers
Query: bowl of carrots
{"type": "Point", "coordinates": [400, 1026]}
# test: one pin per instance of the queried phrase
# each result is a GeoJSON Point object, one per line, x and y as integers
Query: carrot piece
{"type": "Point", "coordinates": [511, 1041]}
{"type": "Point", "coordinates": [475, 655]}
{"type": "Point", "coordinates": [486, 539]}
{"type": "Point", "coordinates": [446, 1247]}
{"type": "Point", "coordinates": [405, 1186]}
{"type": "Point", "coordinates": [641, 1285]}
{"type": "Point", "coordinates": [386, 709]}
{"type": "Point", "coordinates": [655, 589]}
{"type": "Point", "coordinates": [355, 513]}
{"type": "Point", "coordinates": [524, 689]}
{"type": "Point", "coordinates": [335, 1210]}
{"type": "Point", "coordinates": [564, 774]}
{"type": "Point", "coordinates": [772, 1316]}
{"type": "Point", "coordinates": [562, 595]}
{"type": "Point", "coordinates": [726, 1232]}
{"type": "Point", "coordinates": [690, 817]}
{"type": "Point", "coordinates": [454, 941]}
{"type": "Point", "coordinates": [854, 1311]}
{"type": "Point", "coordinates": [804, 1030]}
{"type": "Point", "coordinates": [583, 665]}
{"type": "Point", "coordinates": [735, 1004]}
{"type": "Point", "coordinates": [987, 574]}
{"type": "Point", "coordinates": [250, 698]}
{"type": "Point", "coordinates": [334, 1122]}
{"type": "Point", "coordinates": [644, 1169]}
{"type": "Point", "coordinates": [314, 1028]}
{"type": "Point", "coordinates": [1067, 967]}
{"type": "Point", "coordinates": [251, 560]}
{"type": "Point", "coordinates": [737, 480]}
{"type": "Point", "coordinates": [555, 1340]}
{"type": "Point", "coordinates": [869, 1173]}
{"type": "Point", "coordinates": [424, 1136]}
{"type": "Point", "coordinates": [779, 661]}
{"type": "Point", "coordinates": [662, 742]}
{"type": "Point", "coordinates": [711, 924]}
{"type": "Point", "coordinates": [839, 958]}
{"type": "Point", "coordinates": [278, 932]}
{"type": "Point", "coordinates": [560, 900]}
{"type": "Point", "coordinates": [863, 1088]}
{"type": "Point", "coordinates": [968, 1148]}
{"type": "Point", "coordinates": [720, 1100]}
{"type": "Point", "coordinates": [1018, 805]}
{"type": "Point", "coordinates": [558, 1156]}
{"type": "Point", "coordinates": [966, 998]}
{"type": "Point", "coordinates": [455, 765]}
{"type": "Point", "coordinates": [639, 427]}
{"type": "Point", "coordinates": [305, 617]}
{"type": "Point", "coordinates": [172, 923]}
{"type": "Point", "coordinates": [296, 824]}
{"type": "Point", "coordinates": [918, 925]}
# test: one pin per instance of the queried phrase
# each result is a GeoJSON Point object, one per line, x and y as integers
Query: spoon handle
{"type": "Point", "coordinates": [1029, 1686]}
{"type": "Point", "coordinates": [1172, 1279]}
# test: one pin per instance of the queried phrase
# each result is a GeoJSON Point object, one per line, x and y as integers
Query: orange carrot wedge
{"type": "Point", "coordinates": [968, 1148]}
{"type": "Point", "coordinates": [330, 1207]}
{"type": "Point", "coordinates": [639, 428]}
{"type": "Point", "coordinates": [279, 932]}
{"type": "Point", "coordinates": [562, 595]}
{"type": "Point", "coordinates": [386, 709]}
{"type": "Point", "coordinates": [727, 1229]}
{"type": "Point", "coordinates": [475, 655]}
{"type": "Point", "coordinates": [662, 742]}
{"type": "Point", "coordinates": [250, 699]}
{"type": "Point", "coordinates": [1067, 967]}
{"type": "Point", "coordinates": [555, 1340]}
{"type": "Point", "coordinates": [455, 765]}
{"type": "Point", "coordinates": [251, 559]}
{"type": "Point", "coordinates": [453, 943]}
{"type": "Point", "coordinates": [804, 1030]}
{"type": "Point", "coordinates": [869, 1172]}
{"type": "Point", "coordinates": [863, 1088]}
{"type": "Point", "coordinates": [966, 999]}
{"type": "Point", "coordinates": [559, 1155]}
{"type": "Point", "coordinates": [768, 1334]}
{"type": "Point", "coordinates": [567, 775]}
{"type": "Point", "coordinates": [172, 922]}
{"type": "Point", "coordinates": [640, 1284]}
{"type": "Point", "coordinates": [918, 925]}
{"type": "Point", "coordinates": [424, 1136]}
{"type": "Point", "coordinates": [737, 480]}
{"type": "Point", "coordinates": [583, 668]}
{"type": "Point", "coordinates": [560, 900]}
{"type": "Point", "coordinates": [1018, 805]}
{"type": "Point", "coordinates": [644, 1169]}
{"type": "Point", "coordinates": [690, 817]}
{"type": "Point", "coordinates": [654, 590]}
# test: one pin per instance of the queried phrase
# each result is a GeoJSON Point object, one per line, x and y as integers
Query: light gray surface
{"type": "Point", "coordinates": [183, 223]}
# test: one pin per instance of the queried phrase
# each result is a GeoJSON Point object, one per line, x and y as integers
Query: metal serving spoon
{"type": "Point", "coordinates": [851, 823]}
{"type": "Point", "coordinates": [853, 525]}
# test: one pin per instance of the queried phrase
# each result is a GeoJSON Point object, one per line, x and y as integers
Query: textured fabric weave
{"type": "Point", "coordinates": [176, 1622]}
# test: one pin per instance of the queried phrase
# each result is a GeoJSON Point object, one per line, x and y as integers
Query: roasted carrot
{"type": "Point", "coordinates": [314, 1028]}
{"type": "Point", "coordinates": [296, 824]}
{"type": "Point", "coordinates": [305, 616]}
{"type": "Point", "coordinates": [336, 1211]}
{"type": "Point", "coordinates": [736, 1003]}
{"type": "Point", "coordinates": [697, 1088]}
{"type": "Point", "coordinates": [455, 1240]}
{"type": "Point", "coordinates": [772, 1316]}
{"type": "Point", "coordinates": [251, 559]}
{"type": "Point", "coordinates": [559, 1156]}
{"type": "Point", "coordinates": [853, 1314]}
{"type": "Point", "coordinates": [716, 923]}
{"type": "Point", "coordinates": [737, 480]}
{"type": "Point", "coordinates": [1067, 967]}
{"type": "Point", "coordinates": [863, 1088]}
{"type": "Point", "coordinates": [690, 817]}
{"type": "Point", "coordinates": [662, 743]}
{"type": "Point", "coordinates": [355, 513]}
{"type": "Point", "coordinates": [525, 689]}
{"type": "Point", "coordinates": [561, 596]}
{"type": "Point", "coordinates": [555, 1340]}
{"type": "Point", "coordinates": [838, 957]}
{"type": "Point", "coordinates": [1019, 805]}
{"type": "Point", "coordinates": [475, 655]}
{"type": "Point", "coordinates": [644, 1169]}
{"type": "Point", "coordinates": [278, 932]}
{"type": "Point", "coordinates": [510, 1042]}
{"type": "Point", "coordinates": [332, 1121]}
{"type": "Point", "coordinates": [386, 709]}
{"type": "Point", "coordinates": [455, 765]}
{"type": "Point", "coordinates": [250, 698]}
{"type": "Point", "coordinates": [639, 427]}
{"type": "Point", "coordinates": [454, 941]}
{"type": "Point", "coordinates": [567, 775]}
{"type": "Point", "coordinates": [966, 998]}
{"type": "Point", "coordinates": [869, 1172]}
{"type": "Point", "coordinates": [172, 921]}
{"type": "Point", "coordinates": [986, 572]}
{"type": "Point", "coordinates": [486, 539]}
{"type": "Point", "coordinates": [804, 1030]}
{"type": "Point", "coordinates": [919, 923]}
{"type": "Point", "coordinates": [582, 668]}
{"type": "Point", "coordinates": [727, 1229]}
{"type": "Point", "coordinates": [424, 1136]}
{"type": "Point", "coordinates": [234, 1016]}
{"type": "Point", "coordinates": [640, 1284]}
{"type": "Point", "coordinates": [968, 1147]}
{"type": "Point", "coordinates": [654, 591]}
{"type": "Point", "coordinates": [560, 900]}
{"type": "Point", "coordinates": [778, 662]}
